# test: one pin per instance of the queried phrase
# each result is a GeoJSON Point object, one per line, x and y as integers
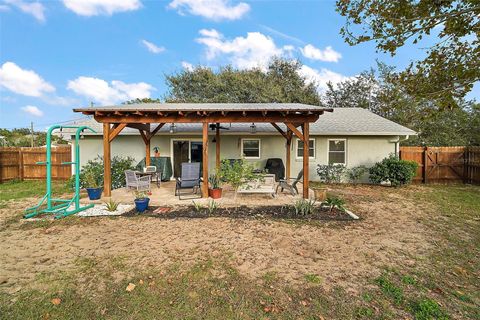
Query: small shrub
{"type": "Point", "coordinates": [392, 169]}
{"type": "Point", "coordinates": [212, 207]}
{"type": "Point", "coordinates": [111, 205]}
{"type": "Point", "coordinates": [355, 173]}
{"type": "Point", "coordinates": [303, 207]}
{"type": "Point", "coordinates": [139, 195]}
{"type": "Point", "coordinates": [427, 309]}
{"type": "Point", "coordinates": [215, 181]}
{"type": "Point", "coordinates": [237, 173]}
{"type": "Point", "coordinates": [335, 203]}
{"type": "Point", "coordinates": [331, 173]}
{"type": "Point", "coordinates": [198, 206]}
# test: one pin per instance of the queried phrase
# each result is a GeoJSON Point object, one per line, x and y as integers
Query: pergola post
{"type": "Point", "coordinates": [205, 159]}
{"type": "Point", "coordinates": [107, 178]}
{"type": "Point", "coordinates": [288, 147]}
{"type": "Point", "coordinates": [217, 146]}
{"type": "Point", "coordinates": [306, 157]}
{"type": "Point", "coordinates": [147, 153]}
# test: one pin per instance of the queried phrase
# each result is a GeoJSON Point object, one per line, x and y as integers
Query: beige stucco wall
{"type": "Point", "coordinates": [361, 150]}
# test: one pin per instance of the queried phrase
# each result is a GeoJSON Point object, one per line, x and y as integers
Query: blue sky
{"type": "Point", "coordinates": [56, 55]}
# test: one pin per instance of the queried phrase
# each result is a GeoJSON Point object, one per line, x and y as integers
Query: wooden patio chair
{"type": "Point", "coordinates": [135, 182]}
{"type": "Point", "coordinates": [190, 179]}
{"type": "Point", "coordinates": [289, 185]}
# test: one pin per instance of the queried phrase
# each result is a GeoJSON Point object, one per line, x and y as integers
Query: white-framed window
{"type": "Point", "coordinates": [299, 148]}
{"type": "Point", "coordinates": [337, 151]}
{"type": "Point", "coordinates": [251, 148]}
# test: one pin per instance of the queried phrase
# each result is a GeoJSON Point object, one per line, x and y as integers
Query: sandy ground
{"type": "Point", "coordinates": [341, 253]}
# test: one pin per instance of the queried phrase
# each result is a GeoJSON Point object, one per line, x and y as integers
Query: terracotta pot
{"type": "Point", "coordinates": [215, 193]}
{"type": "Point", "coordinates": [320, 194]}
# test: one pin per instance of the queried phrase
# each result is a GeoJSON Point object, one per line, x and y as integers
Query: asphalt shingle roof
{"type": "Point", "coordinates": [342, 121]}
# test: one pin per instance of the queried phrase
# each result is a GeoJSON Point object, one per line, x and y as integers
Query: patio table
{"type": "Point", "coordinates": [152, 175]}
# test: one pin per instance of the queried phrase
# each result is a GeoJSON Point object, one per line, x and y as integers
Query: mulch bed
{"type": "Point", "coordinates": [274, 212]}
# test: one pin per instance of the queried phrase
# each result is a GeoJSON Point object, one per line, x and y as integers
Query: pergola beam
{"type": "Point", "coordinates": [139, 126]}
{"type": "Point", "coordinates": [295, 131]}
{"type": "Point", "coordinates": [212, 118]}
{"type": "Point", "coordinates": [117, 128]}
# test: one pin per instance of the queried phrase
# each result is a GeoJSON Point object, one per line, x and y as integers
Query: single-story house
{"type": "Point", "coordinates": [349, 136]}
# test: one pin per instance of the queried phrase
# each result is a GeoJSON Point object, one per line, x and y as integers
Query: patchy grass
{"type": "Point", "coordinates": [443, 285]}
{"type": "Point", "coordinates": [15, 189]}
{"type": "Point", "coordinates": [208, 290]}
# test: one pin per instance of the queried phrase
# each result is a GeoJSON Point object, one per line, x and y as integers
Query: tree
{"type": "Point", "coordinates": [377, 91]}
{"type": "Point", "coordinates": [451, 66]}
{"type": "Point", "coordinates": [143, 100]}
{"type": "Point", "coordinates": [281, 82]}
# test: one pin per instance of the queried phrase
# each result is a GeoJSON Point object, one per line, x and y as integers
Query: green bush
{"type": "Point", "coordinates": [392, 169]}
{"type": "Point", "coordinates": [355, 173]}
{"type": "Point", "coordinates": [91, 174]}
{"type": "Point", "coordinates": [331, 173]}
{"type": "Point", "coordinates": [237, 173]}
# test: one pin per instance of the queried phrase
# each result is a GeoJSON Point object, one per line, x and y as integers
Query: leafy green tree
{"type": "Point", "coordinates": [143, 100]}
{"type": "Point", "coordinates": [281, 82]}
{"type": "Point", "coordinates": [378, 91]}
{"type": "Point", "coordinates": [451, 65]}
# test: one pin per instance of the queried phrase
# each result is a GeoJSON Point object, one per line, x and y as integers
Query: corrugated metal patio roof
{"type": "Point", "coordinates": [342, 121]}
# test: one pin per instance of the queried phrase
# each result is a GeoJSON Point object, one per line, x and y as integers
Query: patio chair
{"type": "Point", "coordinates": [290, 186]}
{"type": "Point", "coordinates": [190, 179]}
{"type": "Point", "coordinates": [137, 183]}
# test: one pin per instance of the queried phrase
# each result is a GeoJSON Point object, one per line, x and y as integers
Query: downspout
{"type": "Point", "coordinates": [397, 144]}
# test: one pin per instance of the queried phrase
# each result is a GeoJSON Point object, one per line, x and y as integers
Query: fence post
{"type": "Point", "coordinates": [20, 164]}
{"type": "Point", "coordinates": [425, 162]}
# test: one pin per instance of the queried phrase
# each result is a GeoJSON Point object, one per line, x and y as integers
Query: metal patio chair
{"type": "Point", "coordinates": [137, 183]}
{"type": "Point", "coordinates": [289, 185]}
{"type": "Point", "coordinates": [190, 179]}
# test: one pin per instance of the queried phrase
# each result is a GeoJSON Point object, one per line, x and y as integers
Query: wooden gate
{"type": "Point", "coordinates": [444, 164]}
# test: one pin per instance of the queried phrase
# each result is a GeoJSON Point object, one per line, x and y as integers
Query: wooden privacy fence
{"type": "Point", "coordinates": [444, 164]}
{"type": "Point", "coordinates": [20, 163]}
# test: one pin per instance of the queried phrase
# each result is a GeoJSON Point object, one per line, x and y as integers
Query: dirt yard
{"type": "Point", "coordinates": [414, 254]}
{"type": "Point", "coordinates": [340, 253]}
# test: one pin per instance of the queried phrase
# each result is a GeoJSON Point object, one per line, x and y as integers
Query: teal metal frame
{"type": "Point", "coordinates": [60, 207]}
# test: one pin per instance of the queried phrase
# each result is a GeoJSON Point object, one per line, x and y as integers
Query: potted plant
{"type": "Point", "coordinates": [320, 192]}
{"type": "Point", "coordinates": [141, 201]}
{"type": "Point", "coordinates": [94, 187]}
{"type": "Point", "coordinates": [214, 190]}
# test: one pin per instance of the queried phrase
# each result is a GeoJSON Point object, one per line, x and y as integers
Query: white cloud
{"type": "Point", "coordinates": [101, 91]}
{"type": "Point", "coordinates": [187, 66]}
{"type": "Point", "coordinates": [101, 7]}
{"type": "Point", "coordinates": [33, 110]}
{"type": "Point", "coordinates": [254, 50]}
{"type": "Point", "coordinates": [36, 9]}
{"type": "Point", "coordinates": [4, 8]}
{"type": "Point", "coordinates": [212, 33]}
{"type": "Point", "coordinates": [152, 47]}
{"type": "Point", "coordinates": [211, 9]}
{"type": "Point", "coordinates": [328, 55]}
{"type": "Point", "coordinates": [321, 77]}
{"type": "Point", "coordinates": [22, 81]}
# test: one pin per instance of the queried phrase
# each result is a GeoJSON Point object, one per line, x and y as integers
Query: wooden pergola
{"type": "Point", "coordinates": [141, 116]}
